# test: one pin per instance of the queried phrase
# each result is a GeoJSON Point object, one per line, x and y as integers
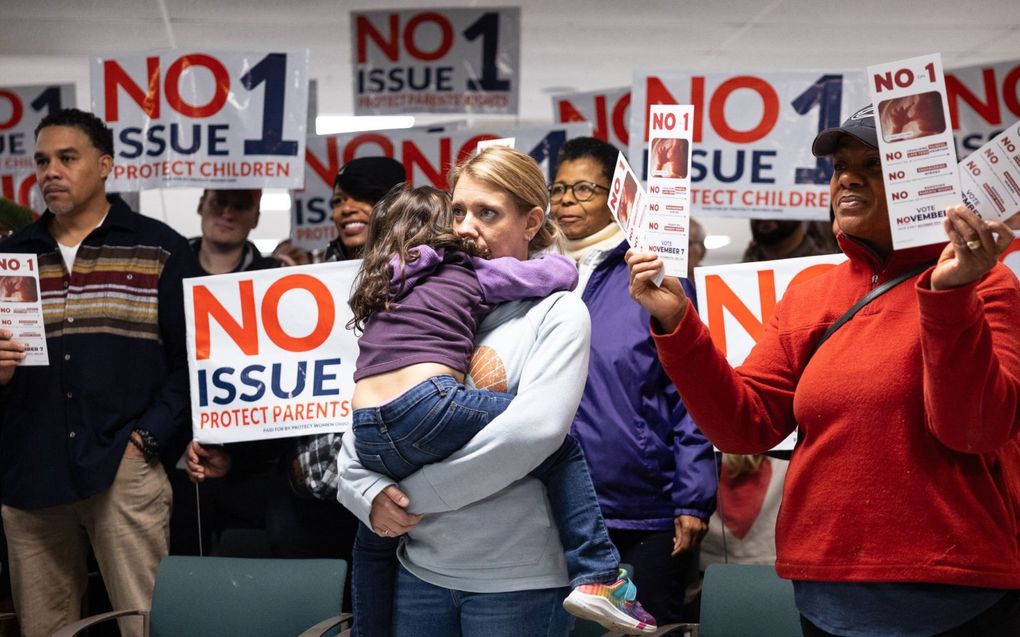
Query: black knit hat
{"type": "Point", "coordinates": [370, 178]}
{"type": "Point", "coordinates": [860, 125]}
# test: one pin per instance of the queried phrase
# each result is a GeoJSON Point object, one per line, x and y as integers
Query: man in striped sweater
{"type": "Point", "coordinates": [80, 437]}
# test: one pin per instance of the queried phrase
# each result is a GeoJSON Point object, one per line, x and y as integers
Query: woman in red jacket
{"type": "Point", "coordinates": [896, 515]}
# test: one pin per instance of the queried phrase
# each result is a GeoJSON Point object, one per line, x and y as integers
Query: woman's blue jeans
{"type": "Point", "coordinates": [425, 610]}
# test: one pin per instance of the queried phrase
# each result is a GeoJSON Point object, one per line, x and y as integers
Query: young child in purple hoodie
{"type": "Point", "coordinates": [418, 300]}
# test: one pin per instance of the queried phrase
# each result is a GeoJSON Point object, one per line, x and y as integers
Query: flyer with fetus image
{"type": "Point", "coordinates": [990, 176]}
{"type": "Point", "coordinates": [628, 202]}
{"type": "Point", "coordinates": [669, 185]}
{"type": "Point", "coordinates": [912, 117]}
{"type": "Point", "coordinates": [919, 165]}
{"type": "Point", "coordinates": [21, 310]}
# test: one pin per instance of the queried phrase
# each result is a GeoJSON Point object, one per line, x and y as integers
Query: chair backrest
{"type": "Point", "coordinates": [739, 600]}
{"type": "Point", "coordinates": [226, 596]}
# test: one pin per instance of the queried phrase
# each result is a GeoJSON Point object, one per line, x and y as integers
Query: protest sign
{"type": "Point", "coordinates": [983, 99]}
{"type": "Point", "coordinates": [919, 165]}
{"type": "Point", "coordinates": [669, 186]}
{"type": "Point", "coordinates": [607, 110]}
{"type": "Point", "coordinates": [752, 135]}
{"type": "Point", "coordinates": [21, 110]}
{"type": "Point", "coordinates": [737, 301]}
{"type": "Point", "coordinates": [20, 187]}
{"type": "Point", "coordinates": [427, 157]}
{"type": "Point", "coordinates": [464, 60]}
{"type": "Point", "coordinates": [21, 310]}
{"type": "Point", "coordinates": [269, 355]}
{"type": "Point", "coordinates": [204, 120]}
{"type": "Point", "coordinates": [990, 177]}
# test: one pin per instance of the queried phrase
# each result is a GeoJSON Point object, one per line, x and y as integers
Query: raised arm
{"type": "Point", "coordinates": [970, 309]}
{"type": "Point", "coordinates": [745, 411]}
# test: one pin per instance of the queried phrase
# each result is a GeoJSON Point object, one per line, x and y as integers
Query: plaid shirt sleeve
{"type": "Point", "coordinates": [316, 457]}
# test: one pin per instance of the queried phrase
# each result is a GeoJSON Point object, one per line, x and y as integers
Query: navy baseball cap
{"type": "Point", "coordinates": [370, 178]}
{"type": "Point", "coordinates": [861, 125]}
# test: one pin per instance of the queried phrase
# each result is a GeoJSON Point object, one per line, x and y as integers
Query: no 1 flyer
{"type": "Point", "coordinates": [669, 185]}
{"type": "Point", "coordinates": [990, 176]}
{"type": "Point", "coordinates": [20, 305]}
{"type": "Point", "coordinates": [628, 202]}
{"type": "Point", "coordinates": [915, 140]}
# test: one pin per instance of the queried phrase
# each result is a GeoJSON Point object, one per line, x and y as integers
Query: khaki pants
{"type": "Point", "coordinates": [128, 528]}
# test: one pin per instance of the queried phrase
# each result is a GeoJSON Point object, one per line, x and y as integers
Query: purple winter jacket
{"type": "Point", "coordinates": [648, 460]}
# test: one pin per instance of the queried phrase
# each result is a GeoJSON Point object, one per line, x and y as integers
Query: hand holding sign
{"type": "Point", "coordinates": [206, 462]}
{"type": "Point", "coordinates": [667, 302]}
{"type": "Point", "coordinates": [12, 352]}
{"type": "Point", "coordinates": [974, 247]}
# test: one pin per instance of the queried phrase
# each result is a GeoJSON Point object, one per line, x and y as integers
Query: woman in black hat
{"type": "Point", "coordinates": [358, 186]}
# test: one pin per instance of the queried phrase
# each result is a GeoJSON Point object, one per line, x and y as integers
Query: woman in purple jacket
{"type": "Point", "coordinates": [653, 470]}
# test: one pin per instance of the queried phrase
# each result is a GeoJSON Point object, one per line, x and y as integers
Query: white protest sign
{"type": "Point", "coordinates": [269, 355]}
{"type": "Point", "coordinates": [983, 99]}
{"type": "Point", "coordinates": [21, 306]}
{"type": "Point", "coordinates": [21, 110]}
{"type": "Point", "coordinates": [669, 186]}
{"type": "Point", "coordinates": [427, 157]}
{"type": "Point", "coordinates": [607, 110]}
{"type": "Point", "coordinates": [990, 176]}
{"type": "Point", "coordinates": [737, 301]}
{"type": "Point", "coordinates": [752, 134]}
{"type": "Point", "coordinates": [464, 60]}
{"type": "Point", "coordinates": [203, 119]}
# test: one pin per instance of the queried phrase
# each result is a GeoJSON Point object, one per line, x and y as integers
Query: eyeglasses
{"type": "Point", "coordinates": [583, 190]}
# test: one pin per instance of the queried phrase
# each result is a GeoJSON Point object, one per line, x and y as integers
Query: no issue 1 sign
{"type": "Point", "coordinates": [436, 61]}
{"type": "Point", "coordinates": [751, 136]}
{"type": "Point", "coordinates": [203, 119]}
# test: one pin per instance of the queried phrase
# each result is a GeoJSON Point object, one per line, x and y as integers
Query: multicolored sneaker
{"type": "Point", "coordinates": [611, 605]}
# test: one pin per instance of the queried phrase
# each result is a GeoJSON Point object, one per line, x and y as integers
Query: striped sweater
{"type": "Point", "coordinates": [116, 340]}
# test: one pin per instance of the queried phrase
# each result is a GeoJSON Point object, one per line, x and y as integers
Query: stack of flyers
{"type": "Point", "coordinates": [990, 176]}
{"type": "Point", "coordinates": [628, 202]}
{"type": "Point", "coordinates": [915, 140]}
{"type": "Point", "coordinates": [669, 185]}
{"type": "Point", "coordinates": [21, 310]}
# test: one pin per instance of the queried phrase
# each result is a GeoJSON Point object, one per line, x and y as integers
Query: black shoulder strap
{"type": "Point", "coordinates": [871, 296]}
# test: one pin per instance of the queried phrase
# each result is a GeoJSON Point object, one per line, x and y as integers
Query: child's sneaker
{"type": "Point", "coordinates": [611, 605]}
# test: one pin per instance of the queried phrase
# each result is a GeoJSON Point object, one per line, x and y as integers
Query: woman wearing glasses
{"type": "Point", "coordinates": [653, 470]}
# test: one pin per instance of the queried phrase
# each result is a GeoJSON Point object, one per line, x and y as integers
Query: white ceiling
{"type": "Point", "coordinates": [565, 45]}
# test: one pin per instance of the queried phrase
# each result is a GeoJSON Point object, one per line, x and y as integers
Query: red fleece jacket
{"type": "Point", "coordinates": [907, 416]}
